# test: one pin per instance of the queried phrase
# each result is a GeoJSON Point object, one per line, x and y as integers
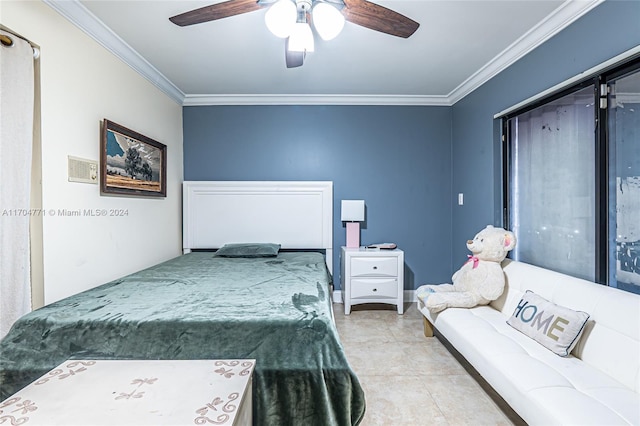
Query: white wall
{"type": "Point", "coordinates": [81, 84]}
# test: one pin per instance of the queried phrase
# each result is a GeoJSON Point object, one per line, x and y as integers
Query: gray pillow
{"type": "Point", "coordinates": [248, 250]}
{"type": "Point", "coordinates": [553, 326]}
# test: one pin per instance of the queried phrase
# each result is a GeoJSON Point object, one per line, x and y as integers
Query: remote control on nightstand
{"type": "Point", "coordinates": [384, 246]}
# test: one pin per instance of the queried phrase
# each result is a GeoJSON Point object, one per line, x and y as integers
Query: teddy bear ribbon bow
{"type": "Point", "coordinates": [473, 259]}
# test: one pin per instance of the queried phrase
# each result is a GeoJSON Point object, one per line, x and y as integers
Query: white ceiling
{"type": "Point", "coordinates": [236, 60]}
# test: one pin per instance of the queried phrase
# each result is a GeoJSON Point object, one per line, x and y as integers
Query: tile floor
{"type": "Point", "coordinates": [409, 379]}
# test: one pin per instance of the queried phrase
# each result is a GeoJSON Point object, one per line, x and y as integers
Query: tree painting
{"type": "Point", "coordinates": [146, 171]}
{"type": "Point", "coordinates": [132, 162]}
{"type": "Point", "coordinates": [135, 165]}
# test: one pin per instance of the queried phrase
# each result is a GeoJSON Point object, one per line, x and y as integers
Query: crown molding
{"type": "Point", "coordinates": [562, 17]}
{"type": "Point", "coordinates": [408, 100]}
{"type": "Point", "coordinates": [81, 17]}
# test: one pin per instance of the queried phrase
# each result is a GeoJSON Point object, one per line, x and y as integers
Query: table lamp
{"type": "Point", "coordinates": [352, 212]}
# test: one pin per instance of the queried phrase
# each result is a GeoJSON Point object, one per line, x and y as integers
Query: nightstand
{"type": "Point", "coordinates": [372, 276]}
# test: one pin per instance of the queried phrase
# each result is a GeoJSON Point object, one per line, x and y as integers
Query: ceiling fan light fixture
{"type": "Point", "coordinates": [281, 18]}
{"type": "Point", "coordinates": [301, 38]}
{"type": "Point", "coordinates": [327, 20]}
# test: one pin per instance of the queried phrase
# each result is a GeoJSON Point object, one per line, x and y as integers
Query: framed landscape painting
{"type": "Point", "coordinates": [130, 163]}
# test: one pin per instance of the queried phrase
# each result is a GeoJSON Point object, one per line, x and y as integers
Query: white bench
{"type": "Point", "coordinates": [132, 392]}
{"type": "Point", "coordinates": [597, 384]}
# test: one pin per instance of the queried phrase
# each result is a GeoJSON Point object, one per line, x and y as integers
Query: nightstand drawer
{"type": "Point", "coordinates": [373, 288]}
{"type": "Point", "coordinates": [374, 266]}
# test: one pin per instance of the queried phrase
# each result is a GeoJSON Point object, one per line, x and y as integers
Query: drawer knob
{"type": "Point", "coordinates": [375, 267]}
{"type": "Point", "coordinates": [375, 289]}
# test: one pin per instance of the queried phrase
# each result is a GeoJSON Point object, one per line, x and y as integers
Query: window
{"type": "Point", "coordinates": [553, 184]}
{"type": "Point", "coordinates": [572, 179]}
{"type": "Point", "coordinates": [623, 110]}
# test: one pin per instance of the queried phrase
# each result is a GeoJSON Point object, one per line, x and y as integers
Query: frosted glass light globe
{"type": "Point", "coordinates": [301, 38]}
{"type": "Point", "coordinates": [328, 21]}
{"type": "Point", "coordinates": [281, 17]}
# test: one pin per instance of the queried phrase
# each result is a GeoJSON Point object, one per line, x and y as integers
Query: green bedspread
{"type": "Point", "coordinates": [276, 310]}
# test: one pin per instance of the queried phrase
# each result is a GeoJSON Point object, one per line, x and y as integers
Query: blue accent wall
{"type": "Point", "coordinates": [608, 30]}
{"type": "Point", "coordinates": [407, 163]}
{"type": "Point", "coordinates": [398, 159]}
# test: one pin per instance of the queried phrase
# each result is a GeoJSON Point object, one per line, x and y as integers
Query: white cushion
{"type": "Point", "coordinates": [572, 407]}
{"type": "Point", "coordinates": [614, 321]}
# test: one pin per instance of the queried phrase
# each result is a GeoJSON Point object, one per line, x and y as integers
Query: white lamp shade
{"type": "Point", "coordinates": [327, 20]}
{"type": "Point", "coordinates": [301, 38]}
{"type": "Point", "coordinates": [281, 17]}
{"type": "Point", "coordinates": [352, 211]}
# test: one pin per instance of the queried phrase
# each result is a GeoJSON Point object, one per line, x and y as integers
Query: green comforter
{"type": "Point", "coordinates": [276, 310]}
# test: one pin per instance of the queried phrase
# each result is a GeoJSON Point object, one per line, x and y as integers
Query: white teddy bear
{"type": "Point", "coordinates": [477, 282]}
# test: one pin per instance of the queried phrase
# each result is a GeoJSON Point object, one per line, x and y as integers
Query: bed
{"type": "Point", "coordinates": [275, 309]}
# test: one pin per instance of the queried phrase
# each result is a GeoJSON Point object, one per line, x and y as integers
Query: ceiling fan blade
{"type": "Point", "coordinates": [378, 18]}
{"type": "Point", "coordinates": [293, 59]}
{"type": "Point", "coordinates": [215, 11]}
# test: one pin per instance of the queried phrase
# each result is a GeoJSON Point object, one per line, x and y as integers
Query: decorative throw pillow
{"type": "Point", "coordinates": [248, 250]}
{"type": "Point", "coordinates": [555, 327]}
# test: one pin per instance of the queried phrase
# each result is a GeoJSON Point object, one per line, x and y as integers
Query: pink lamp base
{"type": "Point", "coordinates": [353, 234]}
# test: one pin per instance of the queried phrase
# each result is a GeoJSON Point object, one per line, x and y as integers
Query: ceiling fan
{"type": "Point", "coordinates": [359, 12]}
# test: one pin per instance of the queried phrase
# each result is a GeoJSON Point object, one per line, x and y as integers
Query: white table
{"type": "Point", "coordinates": [119, 392]}
{"type": "Point", "coordinates": [372, 276]}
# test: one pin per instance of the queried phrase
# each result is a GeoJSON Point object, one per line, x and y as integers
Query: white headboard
{"type": "Point", "coordinates": [297, 215]}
